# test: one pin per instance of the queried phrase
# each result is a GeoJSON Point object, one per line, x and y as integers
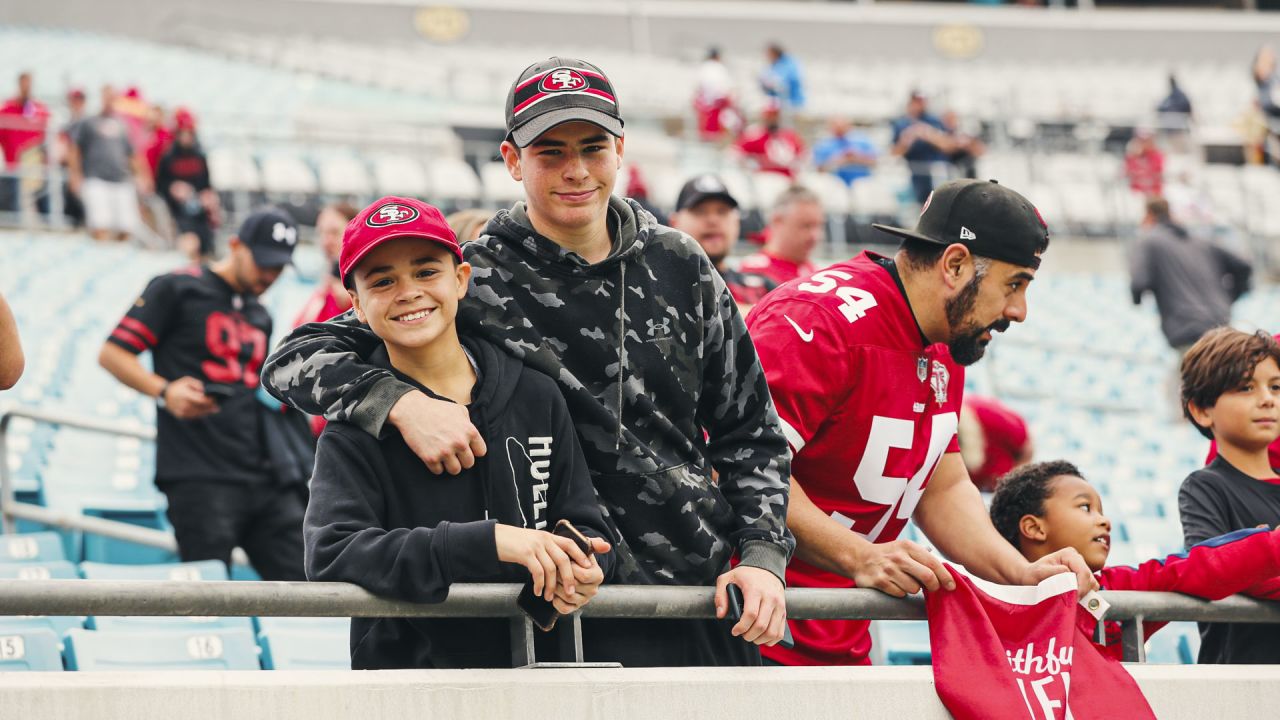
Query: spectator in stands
{"type": "Point", "coordinates": [107, 172]}
{"type": "Point", "coordinates": [1175, 108]}
{"type": "Point", "coordinates": [331, 298]}
{"type": "Point", "coordinates": [159, 136]}
{"type": "Point", "coordinates": [1144, 164]}
{"type": "Point", "coordinates": [1045, 507]}
{"type": "Point", "coordinates": [797, 225]}
{"type": "Point", "coordinates": [469, 224]}
{"type": "Point", "coordinates": [709, 214]}
{"type": "Point", "coordinates": [589, 289]}
{"type": "Point", "coordinates": [219, 449]}
{"type": "Point", "coordinates": [770, 146]}
{"type": "Point", "coordinates": [781, 79]}
{"type": "Point", "coordinates": [182, 179]}
{"type": "Point", "coordinates": [72, 207]}
{"type": "Point", "coordinates": [1231, 393]}
{"type": "Point", "coordinates": [921, 140]}
{"type": "Point", "coordinates": [994, 439]}
{"type": "Point", "coordinates": [373, 520]}
{"type": "Point", "coordinates": [847, 153]}
{"type": "Point", "coordinates": [22, 127]}
{"type": "Point", "coordinates": [964, 148]}
{"type": "Point", "coordinates": [1193, 280]}
{"type": "Point", "coordinates": [1268, 84]}
{"type": "Point", "coordinates": [718, 118]}
{"type": "Point", "coordinates": [11, 359]}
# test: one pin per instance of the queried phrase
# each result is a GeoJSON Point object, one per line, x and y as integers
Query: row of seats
{"type": "Point", "coordinates": [152, 642]}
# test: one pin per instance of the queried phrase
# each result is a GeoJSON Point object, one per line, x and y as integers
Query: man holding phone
{"type": "Point", "coordinates": [207, 334]}
{"type": "Point", "coordinates": [650, 352]}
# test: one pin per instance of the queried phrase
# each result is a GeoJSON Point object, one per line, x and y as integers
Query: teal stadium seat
{"type": "Point", "coordinates": [31, 547]}
{"type": "Point", "coordinates": [1177, 643]}
{"type": "Point", "coordinates": [305, 650]}
{"type": "Point", "coordinates": [31, 649]}
{"type": "Point", "coordinates": [902, 642]}
{"type": "Point", "coordinates": [207, 570]}
{"type": "Point", "coordinates": [53, 570]}
{"type": "Point", "coordinates": [214, 649]}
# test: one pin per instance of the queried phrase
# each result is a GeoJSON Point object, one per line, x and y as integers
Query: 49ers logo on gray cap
{"type": "Point", "coordinates": [391, 214]}
{"type": "Point", "coordinates": [562, 80]}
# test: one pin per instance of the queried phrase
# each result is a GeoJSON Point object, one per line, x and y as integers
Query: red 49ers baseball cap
{"type": "Point", "coordinates": [387, 219]}
{"type": "Point", "coordinates": [556, 91]}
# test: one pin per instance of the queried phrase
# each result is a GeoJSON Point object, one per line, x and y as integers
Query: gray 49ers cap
{"type": "Point", "coordinates": [560, 90]}
{"type": "Point", "coordinates": [984, 216]}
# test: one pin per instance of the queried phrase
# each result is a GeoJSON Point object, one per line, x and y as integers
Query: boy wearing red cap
{"type": "Point", "coordinates": [376, 521]}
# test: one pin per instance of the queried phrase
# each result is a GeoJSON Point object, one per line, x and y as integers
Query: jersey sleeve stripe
{"type": "Point", "coordinates": [793, 438]}
{"type": "Point", "coordinates": [120, 335]}
{"type": "Point", "coordinates": [141, 330]}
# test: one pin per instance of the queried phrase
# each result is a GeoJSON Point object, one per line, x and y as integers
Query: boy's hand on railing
{"type": "Point", "coordinates": [587, 581]}
{"type": "Point", "coordinates": [764, 604]}
{"type": "Point", "coordinates": [549, 559]}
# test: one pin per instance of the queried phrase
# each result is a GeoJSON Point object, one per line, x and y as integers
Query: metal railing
{"type": "Point", "coordinates": [300, 599]}
{"type": "Point", "coordinates": [11, 510]}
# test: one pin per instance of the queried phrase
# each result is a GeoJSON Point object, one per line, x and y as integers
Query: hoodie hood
{"type": "Point", "coordinates": [630, 226]}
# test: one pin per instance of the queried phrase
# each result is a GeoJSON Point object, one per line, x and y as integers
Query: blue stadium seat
{"type": "Point", "coordinates": [31, 547]}
{"type": "Point", "coordinates": [56, 570]}
{"type": "Point", "coordinates": [174, 650]}
{"type": "Point", "coordinates": [30, 649]}
{"type": "Point", "coordinates": [1177, 643]}
{"type": "Point", "coordinates": [902, 642]}
{"type": "Point", "coordinates": [207, 570]}
{"type": "Point", "coordinates": [305, 650]}
{"type": "Point", "coordinates": [326, 625]}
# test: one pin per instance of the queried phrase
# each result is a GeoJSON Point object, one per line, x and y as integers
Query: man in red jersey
{"type": "Point", "coordinates": [796, 227]}
{"type": "Point", "coordinates": [865, 362]}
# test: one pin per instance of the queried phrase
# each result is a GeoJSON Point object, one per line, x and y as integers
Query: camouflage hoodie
{"type": "Point", "coordinates": [649, 350]}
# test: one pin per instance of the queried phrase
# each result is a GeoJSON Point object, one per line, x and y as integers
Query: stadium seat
{"type": "Point", "coordinates": [207, 570]}
{"type": "Point", "coordinates": [400, 175]}
{"type": "Point", "coordinates": [499, 188]}
{"type": "Point", "coordinates": [214, 649]}
{"type": "Point", "coordinates": [344, 175]}
{"type": "Point", "coordinates": [231, 169]}
{"type": "Point", "coordinates": [35, 649]}
{"type": "Point", "coordinates": [284, 174]}
{"type": "Point", "coordinates": [32, 547]}
{"type": "Point", "coordinates": [52, 570]}
{"type": "Point", "coordinates": [901, 642]}
{"type": "Point", "coordinates": [1177, 643]}
{"type": "Point", "coordinates": [453, 179]}
{"type": "Point", "coordinates": [305, 650]}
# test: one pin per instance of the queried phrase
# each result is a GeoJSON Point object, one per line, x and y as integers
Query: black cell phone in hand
{"type": "Point", "coordinates": [734, 594]}
{"type": "Point", "coordinates": [540, 611]}
{"type": "Point", "coordinates": [220, 392]}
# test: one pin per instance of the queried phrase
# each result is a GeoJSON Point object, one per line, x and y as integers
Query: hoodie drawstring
{"type": "Point", "coordinates": [622, 345]}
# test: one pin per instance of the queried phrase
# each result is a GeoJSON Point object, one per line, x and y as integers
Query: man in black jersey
{"type": "Point", "coordinates": [208, 334]}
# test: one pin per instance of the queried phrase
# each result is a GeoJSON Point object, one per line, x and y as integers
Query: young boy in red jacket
{"type": "Point", "coordinates": [1043, 507]}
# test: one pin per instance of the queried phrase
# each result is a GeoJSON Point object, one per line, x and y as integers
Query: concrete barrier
{"type": "Point", "coordinates": [898, 693]}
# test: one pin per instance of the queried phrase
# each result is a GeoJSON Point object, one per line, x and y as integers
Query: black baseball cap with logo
{"type": "Point", "coordinates": [703, 187]}
{"type": "Point", "coordinates": [271, 235]}
{"type": "Point", "coordinates": [984, 216]}
{"type": "Point", "coordinates": [560, 90]}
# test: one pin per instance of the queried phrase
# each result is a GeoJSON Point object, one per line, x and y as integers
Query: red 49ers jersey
{"type": "Point", "coordinates": [868, 409]}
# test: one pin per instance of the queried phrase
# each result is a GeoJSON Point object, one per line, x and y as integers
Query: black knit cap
{"type": "Point", "coordinates": [984, 216]}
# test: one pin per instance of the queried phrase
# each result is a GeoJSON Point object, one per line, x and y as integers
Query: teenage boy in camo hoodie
{"type": "Point", "coordinates": [377, 518]}
{"type": "Point", "coordinates": [647, 345]}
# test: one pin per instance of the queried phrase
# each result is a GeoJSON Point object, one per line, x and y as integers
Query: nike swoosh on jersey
{"type": "Point", "coordinates": [805, 336]}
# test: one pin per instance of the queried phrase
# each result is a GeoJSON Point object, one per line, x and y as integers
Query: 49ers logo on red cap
{"type": "Point", "coordinates": [562, 80]}
{"type": "Point", "coordinates": [391, 214]}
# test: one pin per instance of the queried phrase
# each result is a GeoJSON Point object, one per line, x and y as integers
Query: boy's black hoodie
{"type": "Point", "coordinates": [378, 518]}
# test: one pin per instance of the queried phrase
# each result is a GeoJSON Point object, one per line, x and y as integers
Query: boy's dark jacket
{"type": "Point", "coordinates": [378, 518]}
{"type": "Point", "coordinates": [656, 366]}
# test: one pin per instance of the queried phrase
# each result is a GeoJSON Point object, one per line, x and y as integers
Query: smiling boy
{"type": "Point", "coordinates": [1231, 394]}
{"type": "Point", "coordinates": [379, 519]}
{"type": "Point", "coordinates": [1044, 507]}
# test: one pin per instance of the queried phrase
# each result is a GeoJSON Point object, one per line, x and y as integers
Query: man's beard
{"type": "Point", "coordinates": [966, 345]}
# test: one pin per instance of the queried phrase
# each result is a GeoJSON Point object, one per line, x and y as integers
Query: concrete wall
{"type": "Point", "coordinates": [1175, 692]}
